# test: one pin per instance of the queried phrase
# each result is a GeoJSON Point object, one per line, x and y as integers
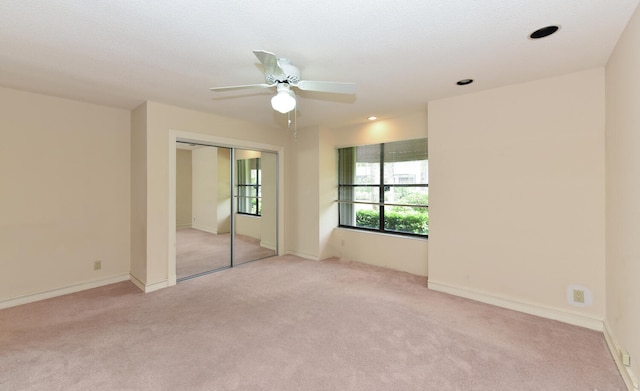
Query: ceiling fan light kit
{"type": "Point", "coordinates": [285, 100]}
{"type": "Point", "coordinates": [282, 74]}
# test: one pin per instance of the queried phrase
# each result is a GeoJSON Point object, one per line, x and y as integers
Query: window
{"type": "Point", "coordinates": [249, 187]}
{"type": "Point", "coordinates": [385, 187]}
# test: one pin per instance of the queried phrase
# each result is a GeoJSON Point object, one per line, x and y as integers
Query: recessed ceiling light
{"type": "Point", "coordinates": [543, 32]}
{"type": "Point", "coordinates": [372, 118]}
{"type": "Point", "coordinates": [464, 82]}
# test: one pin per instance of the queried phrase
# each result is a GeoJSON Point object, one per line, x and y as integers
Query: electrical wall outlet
{"type": "Point", "coordinates": [626, 359]}
{"type": "Point", "coordinates": [578, 296]}
{"type": "Point", "coordinates": [97, 265]}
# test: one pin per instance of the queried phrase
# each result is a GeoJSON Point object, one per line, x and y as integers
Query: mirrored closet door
{"type": "Point", "coordinates": [226, 207]}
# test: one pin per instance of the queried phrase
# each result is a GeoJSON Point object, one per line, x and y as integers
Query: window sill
{"type": "Point", "coordinates": [385, 234]}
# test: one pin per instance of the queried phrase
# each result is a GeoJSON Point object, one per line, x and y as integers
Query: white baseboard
{"type": "Point", "coordinates": [147, 288]}
{"type": "Point", "coordinates": [628, 376]}
{"type": "Point", "coordinates": [267, 245]}
{"type": "Point", "coordinates": [303, 255]}
{"type": "Point", "coordinates": [205, 229]}
{"type": "Point", "coordinates": [183, 226]}
{"type": "Point", "coordinates": [528, 308]}
{"type": "Point", "coordinates": [30, 298]}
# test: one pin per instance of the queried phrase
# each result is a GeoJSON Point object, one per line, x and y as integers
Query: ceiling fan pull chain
{"type": "Point", "coordinates": [295, 123]}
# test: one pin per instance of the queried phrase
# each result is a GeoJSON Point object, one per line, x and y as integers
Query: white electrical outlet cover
{"type": "Point", "coordinates": [588, 297]}
{"type": "Point", "coordinates": [626, 359]}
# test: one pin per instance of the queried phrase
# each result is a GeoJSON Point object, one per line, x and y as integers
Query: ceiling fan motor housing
{"type": "Point", "coordinates": [290, 75]}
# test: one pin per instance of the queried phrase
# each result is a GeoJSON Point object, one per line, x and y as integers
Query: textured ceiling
{"type": "Point", "coordinates": [400, 54]}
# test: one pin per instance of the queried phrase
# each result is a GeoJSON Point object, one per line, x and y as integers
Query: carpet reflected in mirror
{"type": "Point", "coordinates": [200, 252]}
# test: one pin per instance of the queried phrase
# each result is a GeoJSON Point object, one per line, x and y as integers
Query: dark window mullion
{"type": "Point", "coordinates": [258, 184]}
{"type": "Point", "coordinates": [381, 191]}
{"type": "Point", "coordinates": [407, 185]}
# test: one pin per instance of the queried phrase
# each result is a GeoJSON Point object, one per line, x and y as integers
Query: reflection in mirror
{"type": "Point", "coordinates": [203, 209]}
{"type": "Point", "coordinates": [255, 207]}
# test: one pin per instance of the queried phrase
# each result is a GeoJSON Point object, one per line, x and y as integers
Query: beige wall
{"type": "Point", "coordinates": [139, 193]}
{"type": "Point", "coordinates": [327, 195]}
{"type": "Point", "coordinates": [301, 235]}
{"type": "Point", "coordinates": [391, 251]}
{"type": "Point", "coordinates": [65, 173]}
{"type": "Point", "coordinates": [269, 218]}
{"type": "Point", "coordinates": [247, 225]}
{"type": "Point", "coordinates": [205, 189]}
{"type": "Point", "coordinates": [223, 190]}
{"type": "Point", "coordinates": [184, 192]}
{"type": "Point", "coordinates": [517, 195]}
{"type": "Point", "coordinates": [623, 193]}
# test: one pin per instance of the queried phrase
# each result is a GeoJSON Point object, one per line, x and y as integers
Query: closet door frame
{"type": "Point", "coordinates": [198, 138]}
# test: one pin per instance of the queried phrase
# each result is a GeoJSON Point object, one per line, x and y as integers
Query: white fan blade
{"type": "Point", "coordinates": [243, 87]}
{"type": "Point", "coordinates": [327, 86]}
{"type": "Point", "coordinates": [270, 62]}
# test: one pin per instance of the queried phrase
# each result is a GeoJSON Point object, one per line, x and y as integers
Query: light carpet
{"type": "Point", "coordinates": [284, 323]}
{"type": "Point", "coordinates": [199, 251]}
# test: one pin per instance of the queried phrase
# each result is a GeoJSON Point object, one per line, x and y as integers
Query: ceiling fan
{"type": "Point", "coordinates": [282, 74]}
